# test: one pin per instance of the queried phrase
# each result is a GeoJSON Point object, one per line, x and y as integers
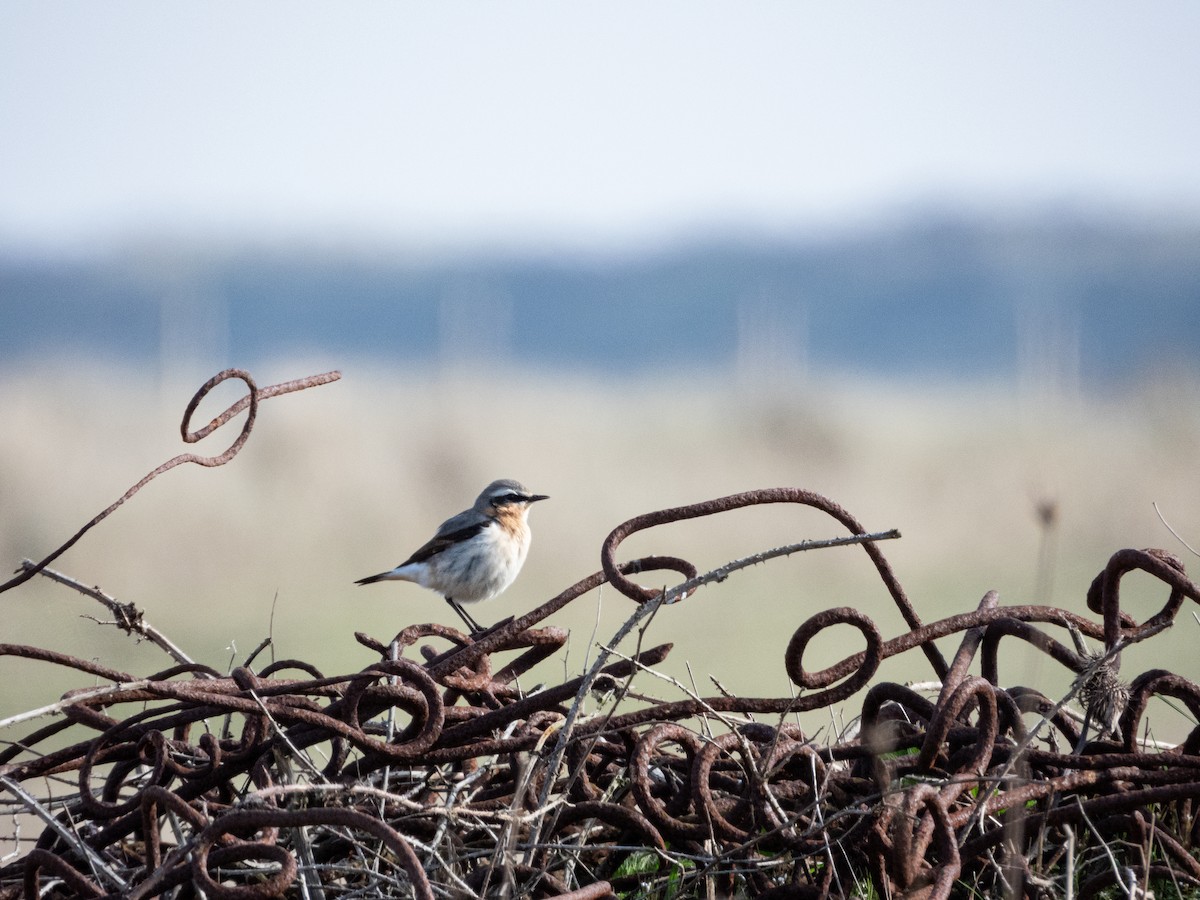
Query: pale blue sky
{"type": "Point", "coordinates": [580, 123]}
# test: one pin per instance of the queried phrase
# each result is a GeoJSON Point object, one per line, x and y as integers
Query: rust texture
{"type": "Point", "coordinates": [436, 771]}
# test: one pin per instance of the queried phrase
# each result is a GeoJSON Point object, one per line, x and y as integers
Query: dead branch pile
{"type": "Point", "coordinates": [431, 773]}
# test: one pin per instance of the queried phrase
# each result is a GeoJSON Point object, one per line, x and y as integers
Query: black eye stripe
{"type": "Point", "coordinates": [505, 499]}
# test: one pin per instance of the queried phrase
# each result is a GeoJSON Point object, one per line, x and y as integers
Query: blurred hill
{"type": "Point", "coordinates": [1096, 301]}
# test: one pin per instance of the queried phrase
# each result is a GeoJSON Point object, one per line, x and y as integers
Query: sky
{"type": "Point", "coordinates": [453, 124]}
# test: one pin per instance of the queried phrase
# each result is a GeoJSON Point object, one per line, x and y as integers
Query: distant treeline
{"type": "Point", "coordinates": [1043, 296]}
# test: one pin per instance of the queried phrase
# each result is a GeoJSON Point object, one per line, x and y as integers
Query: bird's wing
{"type": "Point", "coordinates": [446, 537]}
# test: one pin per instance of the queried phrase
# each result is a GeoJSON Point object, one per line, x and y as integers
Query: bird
{"type": "Point", "coordinates": [475, 555]}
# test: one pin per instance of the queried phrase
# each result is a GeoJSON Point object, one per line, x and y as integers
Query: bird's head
{"type": "Point", "coordinates": [506, 495]}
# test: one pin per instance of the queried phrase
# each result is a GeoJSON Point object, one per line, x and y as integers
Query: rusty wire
{"type": "Point", "coordinates": [251, 400]}
{"type": "Point", "coordinates": [430, 772]}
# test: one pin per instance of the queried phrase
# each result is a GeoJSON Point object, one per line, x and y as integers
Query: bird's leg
{"type": "Point", "coordinates": [471, 623]}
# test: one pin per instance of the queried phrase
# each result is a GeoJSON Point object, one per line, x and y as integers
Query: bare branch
{"type": "Point", "coordinates": [129, 618]}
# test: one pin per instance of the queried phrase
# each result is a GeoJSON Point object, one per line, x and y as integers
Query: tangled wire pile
{"type": "Point", "coordinates": [435, 775]}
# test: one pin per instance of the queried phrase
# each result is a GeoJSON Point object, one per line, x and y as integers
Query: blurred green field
{"type": "Point", "coordinates": [344, 480]}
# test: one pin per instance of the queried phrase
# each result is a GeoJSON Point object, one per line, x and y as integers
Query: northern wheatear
{"type": "Point", "coordinates": [475, 555]}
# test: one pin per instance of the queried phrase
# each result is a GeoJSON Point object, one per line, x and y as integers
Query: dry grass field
{"type": "Point", "coordinates": [343, 480]}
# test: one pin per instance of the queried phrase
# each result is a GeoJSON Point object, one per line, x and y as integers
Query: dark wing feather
{"type": "Point", "coordinates": [442, 540]}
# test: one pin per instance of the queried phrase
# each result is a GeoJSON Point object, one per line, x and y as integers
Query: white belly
{"type": "Point", "coordinates": [478, 569]}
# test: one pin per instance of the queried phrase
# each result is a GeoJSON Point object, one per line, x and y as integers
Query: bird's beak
{"type": "Point", "coordinates": [536, 497]}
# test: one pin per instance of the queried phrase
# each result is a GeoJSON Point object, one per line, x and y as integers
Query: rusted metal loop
{"type": "Point", "coordinates": [261, 883]}
{"type": "Point", "coordinates": [914, 711]}
{"type": "Point", "coordinates": [39, 860]}
{"type": "Point", "coordinates": [1155, 682]}
{"type": "Point", "coordinates": [1103, 595]}
{"type": "Point", "coordinates": [474, 675]}
{"type": "Point", "coordinates": [989, 656]}
{"type": "Point", "coordinates": [640, 766]}
{"type": "Point", "coordinates": [639, 594]}
{"type": "Point", "coordinates": [789, 743]}
{"type": "Point", "coordinates": [241, 820]}
{"type": "Point", "coordinates": [802, 794]}
{"type": "Point", "coordinates": [605, 757]}
{"type": "Point", "coordinates": [702, 796]}
{"type": "Point", "coordinates": [794, 655]}
{"type": "Point", "coordinates": [1029, 700]}
{"type": "Point", "coordinates": [126, 752]}
{"type": "Point", "coordinates": [281, 665]}
{"type": "Point", "coordinates": [925, 819]}
{"type": "Point", "coordinates": [613, 815]}
{"type": "Point", "coordinates": [27, 572]}
{"type": "Point", "coordinates": [406, 637]}
{"type": "Point", "coordinates": [617, 575]}
{"type": "Point", "coordinates": [192, 437]}
{"type": "Point", "coordinates": [156, 750]}
{"type": "Point", "coordinates": [154, 799]}
{"type": "Point", "coordinates": [133, 727]}
{"type": "Point", "coordinates": [893, 717]}
{"type": "Point", "coordinates": [751, 498]}
{"type": "Point", "coordinates": [427, 723]}
{"type": "Point", "coordinates": [971, 691]}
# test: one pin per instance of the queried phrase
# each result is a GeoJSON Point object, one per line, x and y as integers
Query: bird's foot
{"type": "Point", "coordinates": [473, 627]}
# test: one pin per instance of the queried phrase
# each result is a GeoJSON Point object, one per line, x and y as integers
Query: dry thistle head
{"type": "Point", "coordinates": [1103, 694]}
